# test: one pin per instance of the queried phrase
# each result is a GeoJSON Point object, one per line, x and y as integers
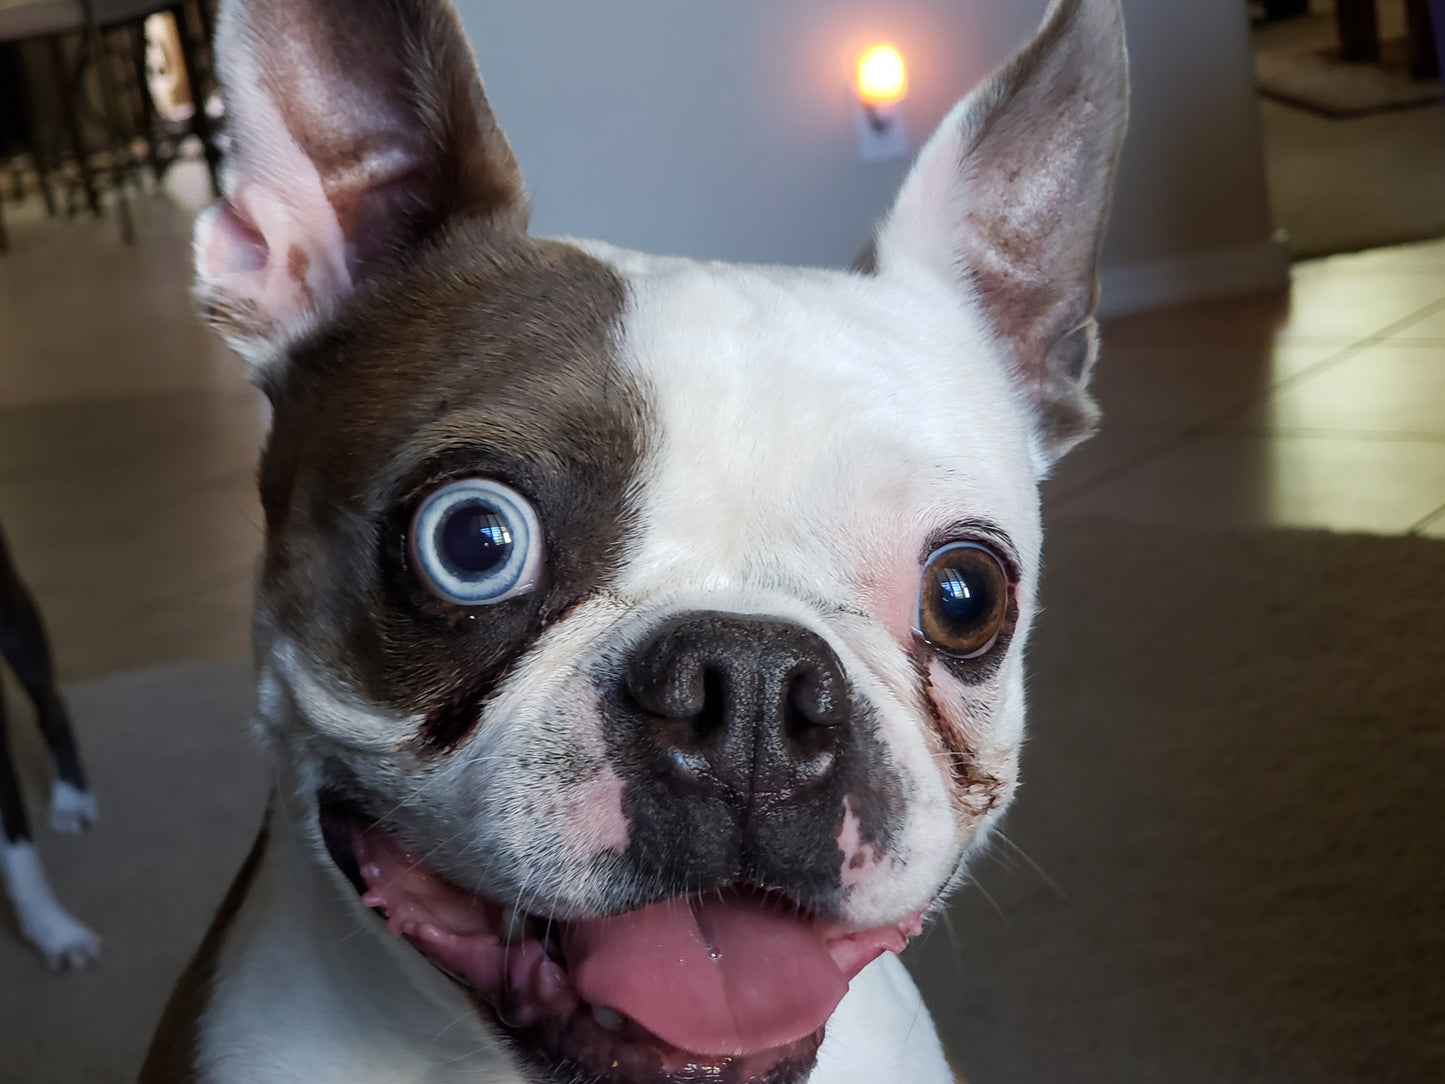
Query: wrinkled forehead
{"type": "Point", "coordinates": [815, 414]}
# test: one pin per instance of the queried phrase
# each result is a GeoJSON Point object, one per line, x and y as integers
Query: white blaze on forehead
{"type": "Point", "coordinates": [810, 432]}
{"type": "Point", "coordinates": [806, 425]}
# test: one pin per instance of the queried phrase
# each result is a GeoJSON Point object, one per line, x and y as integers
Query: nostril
{"type": "Point", "coordinates": [691, 696]}
{"type": "Point", "coordinates": [752, 705]}
{"type": "Point", "coordinates": [666, 685]}
{"type": "Point", "coordinates": [690, 721]}
{"type": "Point", "coordinates": [712, 717]}
{"type": "Point", "coordinates": [813, 729]}
{"type": "Point", "coordinates": [816, 695]}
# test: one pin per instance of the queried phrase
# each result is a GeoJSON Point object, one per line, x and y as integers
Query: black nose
{"type": "Point", "coordinates": [753, 706]}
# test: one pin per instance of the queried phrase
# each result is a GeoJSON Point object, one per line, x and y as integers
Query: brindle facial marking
{"type": "Point", "coordinates": [492, 357]}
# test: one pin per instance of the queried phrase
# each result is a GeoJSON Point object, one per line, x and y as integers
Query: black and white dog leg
{"type": "Point", "coordinates": [64, 942]}
{"type": "Point", "coordinates": [27, 649]}
{"type": "Point", "coordinates": [72, 809]}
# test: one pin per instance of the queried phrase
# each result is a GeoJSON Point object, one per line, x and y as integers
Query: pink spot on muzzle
{"type": "Point", "coordinates": [860, 859]}
{"type": "Point", "coordinates": [589, 815]}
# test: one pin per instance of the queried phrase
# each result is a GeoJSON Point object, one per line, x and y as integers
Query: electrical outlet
{"type": "Point", "coordinates": [882, 132]}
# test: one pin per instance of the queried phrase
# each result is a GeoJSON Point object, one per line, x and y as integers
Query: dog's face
{"type": "Point", "coordinates": [644, 638]}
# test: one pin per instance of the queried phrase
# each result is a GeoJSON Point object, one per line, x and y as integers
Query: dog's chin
{"type": "Point", "coordinates": [733, 986]}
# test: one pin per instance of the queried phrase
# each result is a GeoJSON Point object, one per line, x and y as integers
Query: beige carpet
{"type": "Point", "coordinates": [180, 791]}
{"type": "Point", "coordinates": [1233, 797]}
{"type": "Point", "coordinates": [1345, 186]}
{"type": "Point", "coordinates": [1298, 61]}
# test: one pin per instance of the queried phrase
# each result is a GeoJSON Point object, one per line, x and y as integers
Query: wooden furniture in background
{"type": "Point", "coordinates": [80, 35]}
{"type": "Point", "coordinates": [1359, 30]}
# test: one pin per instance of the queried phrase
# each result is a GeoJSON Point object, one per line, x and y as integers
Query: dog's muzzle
{"type": "Point", "coordinates": [754, 708]}
{"type": "Point", "coordinates": [742, 751]}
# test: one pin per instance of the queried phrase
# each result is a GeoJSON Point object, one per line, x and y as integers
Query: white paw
{"type": "Point", "coordinates": [71, 809]}
{"type": "Point", "coordinates": [64, 942]}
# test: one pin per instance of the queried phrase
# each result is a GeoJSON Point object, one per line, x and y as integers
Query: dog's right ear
{"type": "Point", "coordinates": [1007, 204]}
{"type": "Point", "coordinates": [358, 130]}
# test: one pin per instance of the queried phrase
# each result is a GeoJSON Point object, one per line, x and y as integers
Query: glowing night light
{"type": "Point", "coordinates": [881, 78]}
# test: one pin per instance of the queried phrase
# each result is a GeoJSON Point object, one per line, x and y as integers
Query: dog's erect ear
{"type": "Point", "coordinates": [358, 129]}
{"type": "Point", "coordinates": [1009, 199]}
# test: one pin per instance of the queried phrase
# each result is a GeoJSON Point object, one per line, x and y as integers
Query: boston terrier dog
{"type": "Point", "coordinates": [56, 935]}
{"type": "Point", "coordinates": [640, 641]}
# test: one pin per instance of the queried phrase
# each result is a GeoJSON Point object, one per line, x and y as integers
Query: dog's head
{"type": "Point", "coordinates": [642, 637]}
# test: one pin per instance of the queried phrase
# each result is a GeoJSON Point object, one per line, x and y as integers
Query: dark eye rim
{"type": "Point", "coordinates": [1003, 630]}
{"type": "Point", "coordinates": [522, 517]}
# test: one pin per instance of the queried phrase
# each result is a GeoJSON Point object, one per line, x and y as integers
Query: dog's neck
{"type": "Point", "coordinates": [356, 1005]}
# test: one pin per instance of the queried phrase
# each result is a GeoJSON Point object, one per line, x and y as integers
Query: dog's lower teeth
{"type": "Point", "coordinates": [609, 1019]}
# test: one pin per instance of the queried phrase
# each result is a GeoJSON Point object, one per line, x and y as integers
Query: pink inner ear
{"type": "Point", "coordinates": [271, 264]}
{"type": "Point", "coordinates": [229, 244]}
{"type": "Point", "coordinates": [273, 254]}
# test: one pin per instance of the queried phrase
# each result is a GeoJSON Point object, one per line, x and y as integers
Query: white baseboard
{"type": "Point", "coordinates": [1198, 276]}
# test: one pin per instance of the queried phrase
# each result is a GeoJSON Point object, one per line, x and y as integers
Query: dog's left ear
{"type": "Point", "coordinates": [358, 131]}
{"type": "Point", "coordinates": [1008, 201]}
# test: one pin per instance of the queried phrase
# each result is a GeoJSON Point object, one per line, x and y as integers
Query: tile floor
{"type": "Point", "coordinates": [128, 437]}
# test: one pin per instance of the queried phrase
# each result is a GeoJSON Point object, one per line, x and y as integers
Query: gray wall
{"type": "Point", "coordinates": [721, 128]}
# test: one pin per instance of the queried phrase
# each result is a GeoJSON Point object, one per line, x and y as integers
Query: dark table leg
{"type": "Point", "coordinates": [1359, 31]}
{"type": "Point", "coordinates": [1420, 40]}
{"type": "Point", "coordinates": [1437, 24]}
{"type": "Point", "coordinates": [1285, 9]}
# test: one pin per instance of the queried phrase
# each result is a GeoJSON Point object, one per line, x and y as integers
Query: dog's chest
{"type": "Point", "coordinates": [302, 992]}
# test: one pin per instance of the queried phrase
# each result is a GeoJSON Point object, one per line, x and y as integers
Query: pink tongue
{"type": "Point", "coordinates": [730, 975]}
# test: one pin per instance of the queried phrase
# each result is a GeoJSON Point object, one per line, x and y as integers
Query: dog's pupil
{"type": "Point", "coordinates": [475, 539]}
{"type": "Point", "coordinates": [962, 596]}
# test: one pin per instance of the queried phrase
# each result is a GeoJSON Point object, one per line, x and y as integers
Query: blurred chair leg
{"type": "Point", "coordinates": [72, 126]}
{"type": "Point", "coordinates": [120, 153]}
{"type": "Point", "coordinates": [137, 37]}
{"type": "Point", "coordinates": [39, 156]}
{"type": "Point", "coordinates": [42, 180]}
{"type": "Point", "coordinates": [199, 118]}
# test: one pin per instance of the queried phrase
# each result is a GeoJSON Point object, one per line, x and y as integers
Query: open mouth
{"type": "Point", "coordinates": [734, 985]}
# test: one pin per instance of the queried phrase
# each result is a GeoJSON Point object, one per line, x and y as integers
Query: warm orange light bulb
{"type": "Point", "coordinates": [882, 78]}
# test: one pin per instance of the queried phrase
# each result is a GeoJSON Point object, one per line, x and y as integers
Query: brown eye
{"type": "Point", "coordinates": [964, 599]}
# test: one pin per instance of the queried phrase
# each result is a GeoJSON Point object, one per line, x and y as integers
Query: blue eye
{"type": "Point", "coordinates": [476, 542]}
